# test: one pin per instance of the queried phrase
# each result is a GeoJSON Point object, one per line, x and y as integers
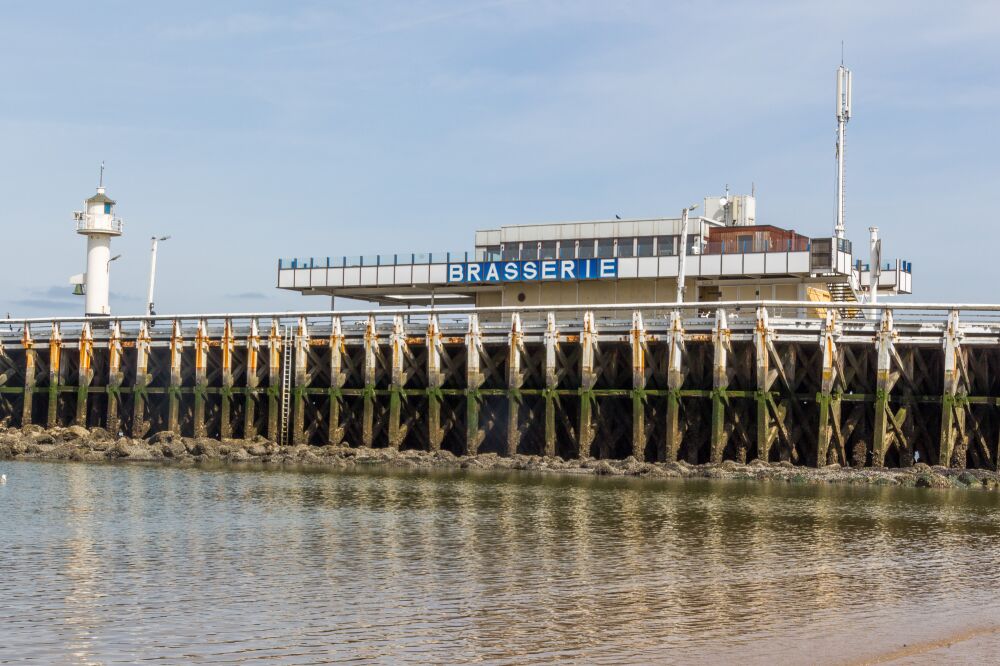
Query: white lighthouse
{"type": "Point", "coordinates": [98, 223]}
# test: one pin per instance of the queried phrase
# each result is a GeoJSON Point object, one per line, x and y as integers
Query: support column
{"type": "Point", "coordinates": [588, 379]}
{"type": "Point", "coordinates": [55, 375]}
{"type": "Point", "coordinates": [767, 432]}
{"type": "Point", "coordinates": [174, 404]}
{"type": "Point", "coordinates": [142, 379]}
{"type": "Point", "coordinates": [200, 378]}
{"type": "Point", "coordinates": [115, 378]}
{"type": "Point", "coordinates": [721, 430]}
{"type": "Point", "coordinates": [829, 404]}
{"type": "Point", "coordinates": [228, 345]}
{"type": "Point", "coordinates": [30, 366]}
{"type": "Point", "coordinates": [637, 338]}
{"type": "Point", "coordinates": [473, 381]}
{"type": "Point", "coordinates": [397, 341]}
{"type": "Point", "coordinates": [551, 383]}
{"type": "Point", "coordinates": [368, 415]}
{"type": "Point", "coordinates": [952, 409]}
{"type": "Point", "coordinates": [675, 379]}
{"type": "Point", "coordinates": [301, 381]}
{"type": "Point", "coordinates": [515, 379]}
{"type": "Point", "coordinates": [85, 374]}
{"type": "Point", "coordinates": [885, 379]}
{"type": "Point", "coordinates": [274, 351]}
{"type": "Point", "coordinates": [252, 383]}
{"type": "Point", "coordinates": [435, 380]}
{"type": "Point", "coordinates": [338, 378]}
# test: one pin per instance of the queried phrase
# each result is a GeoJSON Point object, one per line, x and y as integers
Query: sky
{"type": "Point", "coordinates": [250, 131]}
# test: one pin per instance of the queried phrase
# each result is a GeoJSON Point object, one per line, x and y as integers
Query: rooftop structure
{"type": "Point", "coordinates": [727, 257]}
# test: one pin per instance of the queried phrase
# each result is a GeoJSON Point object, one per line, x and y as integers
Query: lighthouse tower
{"type": "Point", "coordinates": [98, 223]}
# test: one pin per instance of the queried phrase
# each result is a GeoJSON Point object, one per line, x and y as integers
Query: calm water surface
{"type": "Point", "coordinates": [125, 563]}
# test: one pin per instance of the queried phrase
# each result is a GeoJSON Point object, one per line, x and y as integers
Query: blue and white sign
{"type": "Point", "coordinates": [533, 271]}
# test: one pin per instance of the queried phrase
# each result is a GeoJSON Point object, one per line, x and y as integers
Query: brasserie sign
{"type": "Point", "coordinates": [533, 270]}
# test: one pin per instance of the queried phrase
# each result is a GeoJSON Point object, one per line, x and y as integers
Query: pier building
{"type": "Point", "coordinates": [723, 255]}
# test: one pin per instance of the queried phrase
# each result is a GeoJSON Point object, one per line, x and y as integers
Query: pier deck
{"type": "Point", "coordinates": [704, 382]}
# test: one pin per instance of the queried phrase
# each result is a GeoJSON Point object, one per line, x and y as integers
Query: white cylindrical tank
{"type": "Point", "coordinates": [98, 270]}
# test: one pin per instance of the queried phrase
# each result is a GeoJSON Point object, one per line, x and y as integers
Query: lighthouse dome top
{"type": "Point", "coordinates": [100, 198]}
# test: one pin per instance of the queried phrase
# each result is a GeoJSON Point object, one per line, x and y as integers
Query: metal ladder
{"type": "Point", "coordinates": [287, 352]}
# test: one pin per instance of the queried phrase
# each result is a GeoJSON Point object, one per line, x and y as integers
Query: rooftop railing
{"type": "Point", "coordinates": [412, 258]}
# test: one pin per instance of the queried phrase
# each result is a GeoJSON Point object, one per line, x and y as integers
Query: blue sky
{"type": "Point", "coordinates": [255, 130]}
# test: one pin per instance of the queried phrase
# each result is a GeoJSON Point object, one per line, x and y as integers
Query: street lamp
{"type": "Point", "coordinates": [152, 272]}
{"type": "Point", "coordinates": [683, 252]}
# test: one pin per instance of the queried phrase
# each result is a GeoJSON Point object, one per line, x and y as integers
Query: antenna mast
{"type": "Point", "coordinates": [843, 115]}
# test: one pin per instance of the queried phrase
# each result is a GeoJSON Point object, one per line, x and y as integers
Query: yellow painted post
{"type": "Point", "coordinates": [675, 380]}
{"type": "Point", "coordinates": [115, 378]}
{"type": "Point", "coordinates": [174, 397]}
{"type": "Point", "coordinates": [551, 340]}
{"type": "Point", "coordinates": [515, 379]}
{"type": "Point", "coordinates": [474, 379]}
{"type": "Point", "coordinates": [228, 346]}
{"type": "Point", "coordinates": [200, 377]}
{"type": "Point", "coordinates": [85, 374]}
{"type": "Point", "coordinates": [55, 374]}
{"type": "Point", "coordinates": [143, 342]}
{"type": "Point", "coordinates": [252, 382]}
{"type": "Point", "coordinates": [30, 366]}
{"type": "Point", "coordinates": [588, 379]}
{"type": "Point", "coordinates": [338, 378]}
{"type": "Point", "coordinates": [368, 412]}
{"type": "Point", "coordinates": [301, 382]}
{"type": "Point", "coordinates": [274, 343]}
{"type": "Point", "coordinates": [435, 380]}
{"type": "Point", "coordinates": [397, 341]}
{"type": "Point", "coordinates": [637, 339]}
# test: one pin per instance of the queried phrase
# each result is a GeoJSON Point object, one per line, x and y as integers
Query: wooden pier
{"type": "Point", "coordinates": [809, 383]}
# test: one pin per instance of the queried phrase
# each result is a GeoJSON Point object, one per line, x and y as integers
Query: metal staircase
{"type": "Point", "coordinates": [844, 292]}
{"type": "Point", "coordinates": [287, 350]}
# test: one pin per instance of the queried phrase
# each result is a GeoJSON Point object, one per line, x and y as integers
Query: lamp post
{"type": "Point", "coordinates": [683, 252]}
{"type": "Point", "coordinates": [152, 272]}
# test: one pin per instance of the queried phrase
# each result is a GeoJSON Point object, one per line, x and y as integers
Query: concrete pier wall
{"type": "Point", "coordinates": [803, 382]}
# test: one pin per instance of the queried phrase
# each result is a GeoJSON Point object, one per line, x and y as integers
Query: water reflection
{"type": "Point", "coordinates": [127, 563]}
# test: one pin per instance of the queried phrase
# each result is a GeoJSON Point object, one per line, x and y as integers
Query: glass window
{"type": "Point", "coordinates": [666, 246]}
{"type": "Point", "coordinates": [107, 209]}
{"type": "Point", "coordinates": [510, 251]}
{"type": "Point", "coordinates": [567, 249]}
{"type": "Point", "coordinates": [586, 248]}
{"type": "Point", "coordinates": [529, 250]}
{"type": "Point", "coordinates": [626, 247]}
{"type": "Point", "coordinates": [644, 246]}
{"type": "Point", "coordinates": [605, 248]}
{"type": "Point", "coordinates": [547, 250]}
{"type": "Point", "coordinates": [492, 253]}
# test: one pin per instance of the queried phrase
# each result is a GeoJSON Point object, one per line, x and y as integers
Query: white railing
{"type": "Point", "coordinates": [88, 223]}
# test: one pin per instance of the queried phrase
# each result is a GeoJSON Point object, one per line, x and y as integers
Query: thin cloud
{"type": "Point", "coordinates": [247, 296]}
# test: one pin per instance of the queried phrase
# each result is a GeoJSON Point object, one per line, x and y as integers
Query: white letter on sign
{"type": "Point", "coordinates": [455, 272]}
